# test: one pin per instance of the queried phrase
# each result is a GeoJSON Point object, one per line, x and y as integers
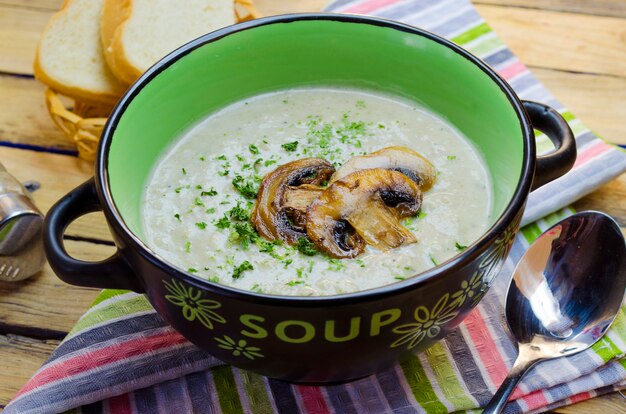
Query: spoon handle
{"type": "Point", "coordinates": [500, 398]}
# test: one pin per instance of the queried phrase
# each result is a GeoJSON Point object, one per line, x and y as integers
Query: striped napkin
{"type": "Point", "coordinates": [122, 358]}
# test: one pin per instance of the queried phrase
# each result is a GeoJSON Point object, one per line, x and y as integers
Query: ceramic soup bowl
{"type": "Point", "coordinates": [310, 339]}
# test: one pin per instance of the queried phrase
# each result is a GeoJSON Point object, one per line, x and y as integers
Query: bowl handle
{"type": "Point", "coordinates": [554, 164]}
{"type": "Point", "coordinates": [113, 272]}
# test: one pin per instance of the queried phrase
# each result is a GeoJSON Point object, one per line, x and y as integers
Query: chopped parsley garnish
{"type": "Point", "coordinates": [188, 247]}
{"type": "Point", "coordinates": [294, 282]}
{"type": "Point", "coordinates": [399, 277]}
{"type": "Point", "coordinates": [202, 158]}
{"type": "Point", "coordinates": [177, 217]}
{"type": "Point", "coordinates": [244, 234]}
{"type": "Point", "coordinates": [214, 279]}
{"type": "Point", "coordinates": [221, 157]}
{"type": "Point", "coordinates": [198, 202]}
{"type": "Point", "coordinates": [210, 210]}
{"type": "Point", "coordinates": [223, 173]}
{"type": "Point", "coordinates": [335, 265]}
{"type": "Point", "coordinates": [239, 213]}
{"type": "Point", "coordinates": [240, 158]}
{"type": "Point", "coordinates": [209, 193]}
{"type": "Point", "coordinates": [177, 190]}
{"type": "Point", "coordinates": [184, 171]}
{"type": "Point", "coordinates": [452, 157]}
{"type": "Point", "coordinates": [305, 246]}
{"type": "Point", "coordinates": [290, 146]}
{"type": "Point", "coordinates": [268, 246]}
{"type": "Point", "coordinates": [459, 246]}
{"type": "Point", "coordinates": [256, 288]}
{"type": "Point", "coordinates": [201, 225]}
{"type": "Point", "coordinates": [287, 263]}
{"type": "Point", "coordinates": [238, 270]}
{"type": "Point", "coordinates": [421, 215]}
{"type": "Point", "coordinates": [267, 163]}
{"type": "Point", "coordinates": [432, 259]}
{"type": "Point", "coordinates": [253, 149]}
{"type": "Point", "coordinates": [360, 262]}
{"type": "Point", "coordinates": [223, 223]}
{"type": "Point", "coordinates": [192, 270]}
{"type": "Point", "coordinates": [245, 188]}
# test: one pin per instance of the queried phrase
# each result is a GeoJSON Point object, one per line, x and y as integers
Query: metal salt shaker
{"type": "Point", "coordinates": [21, 222]}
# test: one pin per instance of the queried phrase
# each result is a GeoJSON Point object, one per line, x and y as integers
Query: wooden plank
{"type": "Point", "coordinates": [24, 118]}
{"type": "Point", "coordinates": [19, 33]}
{"type": "Point", "coordinates": [555, 40]}
{"type": "Point", "coordinates": [596, 7]}
{"type": "Point", "coordinates": [564, 41]}
{"type": "Point", "coordinates": [51, 5]}
{"type": "Point", "coordinates": [20, 357]}
{"type": "Point", "coordinates": [273, 7]}
{"type": "Point", "coordinates": [46, 303]}
{"type": "Point", "coordinates": [613, 403]}
{"type": "Point", "coordinates": [57, 175]}
{"type": "Point", "coordinates": [597, 100]}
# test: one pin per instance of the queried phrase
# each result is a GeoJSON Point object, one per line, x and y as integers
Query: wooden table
{"type": "Point", "coordinates": [576, 47]}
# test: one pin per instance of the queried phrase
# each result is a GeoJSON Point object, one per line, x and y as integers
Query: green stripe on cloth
{"type": "Point", "coordinates": [553, 218]}
{"type": "Point", "coordinates": [618, 328]}
{"type": "Point", "coordinates": [112, 311]}
{"type": "Point", "coordinates": [606, 349]}
{"type": "Point", "coordinates": [107, 294]}
{"type": "Point", "coordinates": [531, 232]}
{"type": "Point", "coordinates": [257, 392]}
{"type": "Point", "coordinates": [485, 46]}
{"type": "Point", "coordinates": [227, 390]}
{"type": "Point", "coordinates": [544, 144]}
{"type": "Point", "coordinates": [421, 388]}
{"type": "Point", "coordinates": [578, 128]}
{"type": "Point", "coordinates": [471, 34]}
{"type": "Point", "coordinates": [568, 116]}
{"type": "Point", "coordinates": [446, 377]}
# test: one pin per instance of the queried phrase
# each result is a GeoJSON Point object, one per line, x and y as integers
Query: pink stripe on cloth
{"type": "Point", "coordinates": [492, 358]}
{"type": "Point", "coordinates": [120, 405]}
{"type": "Point", "coordinates": [489, 354]}
{"type": "Point", "coordinates": [368, 6]}
{"type": "Point", "coordinates": [512, 70]}
{"type": "Point", "coordinates": [591, 152]}
{"type": "Point", "coordinates": [533, 400]}
{"type": "Point", "coordinates": [101, 357]}
{"type": "Point", "coordinates": [580, 397]}
{"type": "Point", "coordinates": [313, 399]}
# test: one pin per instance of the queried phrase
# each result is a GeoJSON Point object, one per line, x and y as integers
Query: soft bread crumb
{"type": "Point", "coordinates": [69, 56]}
{"type": "Point", "coordinates": [154, 28]}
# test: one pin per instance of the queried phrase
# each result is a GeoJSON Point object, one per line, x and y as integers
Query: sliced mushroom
{"type": "Point", "coordinates": [402, 159]}
{"type": "Point", "coordinates": [280, 209]}
{"type": "Point", "coordinates": [297, 199]}
{"type": "Point", "coordinates": [363, 207]}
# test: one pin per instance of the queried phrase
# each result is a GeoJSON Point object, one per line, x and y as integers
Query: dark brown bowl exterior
{"type": "Point", "coordinates": [307, 339]}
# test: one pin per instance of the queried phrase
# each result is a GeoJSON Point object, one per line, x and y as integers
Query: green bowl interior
{"type": "Point", "coordinates": [312, 52]}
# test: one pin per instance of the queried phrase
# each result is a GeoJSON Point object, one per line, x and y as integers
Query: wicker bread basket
{"type": "Point", "coordinates": [83, 123]}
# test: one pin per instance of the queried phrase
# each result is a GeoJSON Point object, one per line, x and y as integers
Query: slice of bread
{"type": "Point", "coordinates": [137, 33]}
{"type": "Point", "coordinates": [69, 56]}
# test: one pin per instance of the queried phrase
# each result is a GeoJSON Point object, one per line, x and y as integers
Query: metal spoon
{"type": "Point", "coordinates": [565, 292]}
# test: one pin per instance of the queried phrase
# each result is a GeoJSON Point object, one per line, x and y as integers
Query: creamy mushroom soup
{"type": "Point", "coordinates": [200, 197]}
